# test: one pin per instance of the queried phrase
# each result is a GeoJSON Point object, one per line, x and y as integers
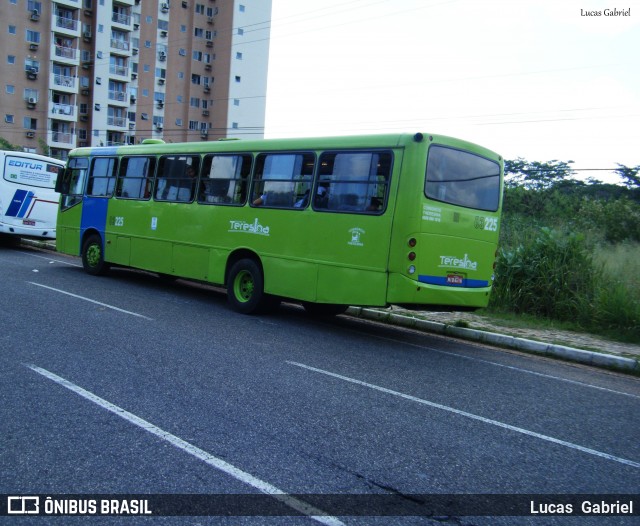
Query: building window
{"type": "Point", "coordinates": [8, 118]}
{"type": "Point", "coordinates": [238, 78]}
{"type": "Point", "coordinates": [182, 52]}
{"type": "Point", "coordinates": [29, 123]}
{"type": "Point", "coordinates": [11, 89]}
{"type": "Point", "coordinates": [242, 8]}
{"type": "Point", "coordinates": [239, 55]}
{"type": "Point", "coordinates": [11, 59]}
{"type": "Point", "coordinates": [33, 36]}
{"type": "Point", "coordinates": [236, 102]}
{"type": "Point", "coordinates": [178, 122]}
{"type": "Point", "coordinates": [12, 30]}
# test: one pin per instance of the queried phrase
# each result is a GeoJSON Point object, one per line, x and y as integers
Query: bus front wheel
{"type": "Point", "coordinates": [93, 256]}
{"type": "Point", "coordinates": [245, 291]}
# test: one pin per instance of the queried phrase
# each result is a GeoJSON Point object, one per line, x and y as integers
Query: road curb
{"type": "Point", "coordinates": [596, 359]}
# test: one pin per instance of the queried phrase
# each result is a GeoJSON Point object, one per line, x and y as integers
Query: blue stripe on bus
{"type": "Point", "coordinates": [20, 203]}
{"type": "Point", "coordinates": [94, 215]}
{"type": "Point", "coordinates": [442, 281]}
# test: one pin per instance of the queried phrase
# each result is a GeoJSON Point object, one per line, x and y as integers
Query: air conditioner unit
{"type": "Point", "coordinates": [35, 15]}
{"type": "Point", "coordinates": [162, 56]}
{"type": "Point", "coordinates": [160, 104]}
{"type": "Point", "coordinates": [164, 33]}
{"type": "Point", "coordinates": [159, 127]}
{"type": "Point", "coordinates": [205, 113]}
{"type": "Point", "coordinates": [33, 46]}
{"type": "Point", "coordinates": [209, 43]}
{"type": "Point", "coordinates": [164, 7]}
{"type": "Point", "coordinates": [204, 134]}
{"type": "Point", "coordinates": [132, 99]}
{"type": "Point", "coordinates": [134, 50]}
{"type": "Point", "coordinates": [30, 134]}
{"type": "Point", "coordinates": [32, 100]}
{"type": "Point", "coordinates": [210, 20]}
{"type": "Point", "coordinates": [161, 81]}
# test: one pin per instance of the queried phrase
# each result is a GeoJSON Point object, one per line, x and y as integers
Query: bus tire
{"type": "Point", "coordinates": [93, 256]}
{"type": "Point", "coordinates": [320, 310]}
{"type": "Point", "coordinates": [245, 287]}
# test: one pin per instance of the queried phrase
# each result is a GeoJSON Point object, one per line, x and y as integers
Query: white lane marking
{"type": "Point", "coordinates": [90, 300]}
{"type": "Point", "coordinates": [294, 503]}
{"type": "Point", "coordinates": [479, 418]}
{"type": "Point", "coordinates": [51, 259]}
{"type": "Point", "coordinates": [512, 367]}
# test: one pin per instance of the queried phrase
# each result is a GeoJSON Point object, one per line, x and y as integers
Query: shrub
{"type": "Point", "coordinates": [550, 275]}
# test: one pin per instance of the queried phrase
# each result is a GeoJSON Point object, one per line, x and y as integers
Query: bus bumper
{"type": "Point", "coordinates": [27, 231]}
{"type": "Point", "coordinates": [412, 293]}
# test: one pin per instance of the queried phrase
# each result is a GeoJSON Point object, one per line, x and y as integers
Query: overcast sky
{"type": "Point", "coordinates": [526, 78]}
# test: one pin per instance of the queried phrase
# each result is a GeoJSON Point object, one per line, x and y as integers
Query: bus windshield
{"type": "Point", "coordinates": [462, 178]}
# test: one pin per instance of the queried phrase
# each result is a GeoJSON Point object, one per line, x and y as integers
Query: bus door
{"type": "Point", "coordinates": [350, 229]}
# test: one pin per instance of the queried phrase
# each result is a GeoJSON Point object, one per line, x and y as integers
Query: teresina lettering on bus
{"type": "Point", "coordinates": [248, 228]}
{"type": "Point", "coordinates": [452, 261]}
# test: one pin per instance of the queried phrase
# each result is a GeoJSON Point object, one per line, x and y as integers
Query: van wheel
{"type": "Point", "coordinates": [245, 287]}
{"type": "Point", "coordinates": [93, 256]}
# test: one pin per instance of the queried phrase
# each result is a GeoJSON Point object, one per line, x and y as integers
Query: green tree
{"type": "Point", "coordinates": [630, 176]}
{"type": "Point", "coordinates": [534, 175]}
{"type": "Point", "coordinates": [6, 145]}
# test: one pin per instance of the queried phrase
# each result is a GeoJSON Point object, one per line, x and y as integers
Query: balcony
{"type": "Point", "coordinates": [65, 55]}
{"type": "Point", "coordinates": [66, 139]}
{"type": "Point", "coordinates": [121, 71]}
{"type": "Point", "coordinates": [122, 19]}
{"type": "Point", "coordinates": [118, 122]}
{"type": "Point", "coordinates": [65, 25]}
{"type": "Point", "coordinates": [65, 112]}
{"type": "Point", "coordinates": [63, 83]}
{"type": "Point", "coordinates": [120, 45]}
{"type": "Point", "coordinates": [119, 97]}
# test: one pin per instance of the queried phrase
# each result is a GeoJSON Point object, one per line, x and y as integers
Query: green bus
{"type": "Point", "coordinates": [409, 220]}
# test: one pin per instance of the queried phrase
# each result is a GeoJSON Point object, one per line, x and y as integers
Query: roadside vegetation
{"type": "Point", "coordinates": [570, 250]}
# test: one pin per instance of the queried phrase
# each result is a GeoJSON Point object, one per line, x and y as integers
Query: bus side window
{"type": "Point", "coordinates": [135, 178]}
{"type": "Point", "coordinates": [358, 182]}
{"type": "Point", "coordinates": [177, 178]}
{"type": "Point", "coordinates": [224, 179]}
{"type": "Point", "coordinates": [102, 177]}
{"type": "Point", "coordinates": [283, 180]}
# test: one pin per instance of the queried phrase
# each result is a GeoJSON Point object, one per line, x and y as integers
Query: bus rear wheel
{"type": "Point", "coordinates": [93, 256]}
{"type": "Point", "coordinates": [245, 291]}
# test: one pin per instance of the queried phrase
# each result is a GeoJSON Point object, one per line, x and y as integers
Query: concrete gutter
{"type": "Point", "coordinates": [596, 359]}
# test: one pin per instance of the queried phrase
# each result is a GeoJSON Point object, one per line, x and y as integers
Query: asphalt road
{"type": "Point", "coordinates": [128, 384]}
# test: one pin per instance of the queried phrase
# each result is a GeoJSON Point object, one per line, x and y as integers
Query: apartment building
{"type": "Point", "coordinates": [112, 72]}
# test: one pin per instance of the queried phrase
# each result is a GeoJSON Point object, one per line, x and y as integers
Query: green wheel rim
{"type": "Point", "coordinates": [243, 286]}
{"type": "Point", "coordinates": [93, 255]}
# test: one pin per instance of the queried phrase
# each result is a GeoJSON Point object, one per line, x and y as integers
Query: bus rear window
{"type": "Point", "coordinates": [462, 178]}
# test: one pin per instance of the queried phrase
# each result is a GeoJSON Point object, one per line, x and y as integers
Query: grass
{"type": "Point", "coordinates": [560, 277]}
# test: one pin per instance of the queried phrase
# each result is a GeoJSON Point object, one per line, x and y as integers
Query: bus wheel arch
{"type": "Point", "coordinates": [92, 253]}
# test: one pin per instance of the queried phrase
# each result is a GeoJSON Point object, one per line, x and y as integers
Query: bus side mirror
{"type": "Point", "coordinates": [63, 180]}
